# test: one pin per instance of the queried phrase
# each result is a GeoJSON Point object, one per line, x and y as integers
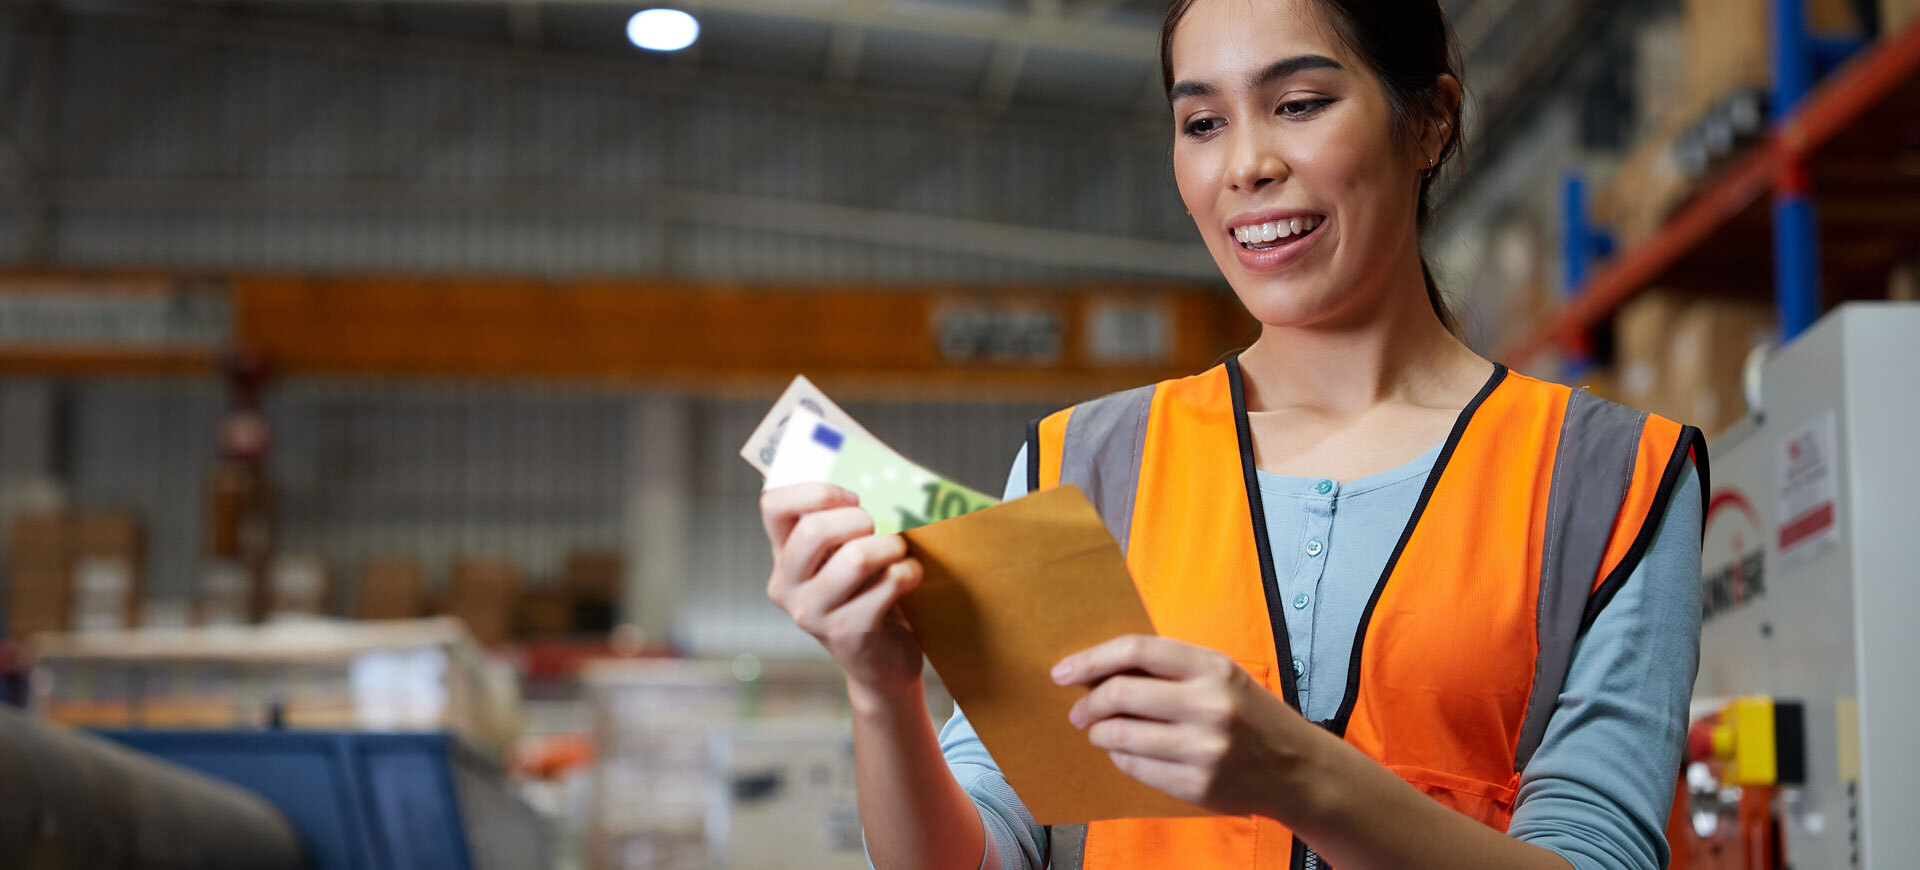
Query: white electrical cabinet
{"type": "Point", "coordinates": [1810, 589]}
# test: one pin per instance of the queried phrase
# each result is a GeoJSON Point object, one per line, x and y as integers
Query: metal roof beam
{"type": "Point", "coordinates": [1029, 244]}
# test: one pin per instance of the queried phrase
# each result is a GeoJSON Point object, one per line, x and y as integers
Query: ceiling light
{"type": "Point", "coordinates": [662, 29]}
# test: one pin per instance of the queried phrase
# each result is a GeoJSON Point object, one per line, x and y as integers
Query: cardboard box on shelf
{"type": "Point", "coordinates": [106, 533]}
{"type": "Point", "coordinates": [545, 611]}
{"type": "Point", "coordinates": [481, 592]}
{"type": "Point", "coordinates": [1898, 15]}
{"type": "Point", "coordinates": [40, 596]}
{"type": "Point", "coordinates": [1727, 44]}
{"type": "Point", "coordinates": [40, 600]}
{"type": "Point", "coordinates": [108, 570]}
{"type": "Point", "coordinates": [1707, 359]}
{"type": "Point", "coordinates": [1642, 336]}
{"type": "Point", "coordinates": [593, 581]}
{"type": "Point", "coordinates": [1646, 187]}
{"type": "Point", "coordinates": [391, 587]}
{"type": "Point", "coordinates": [41, 541]}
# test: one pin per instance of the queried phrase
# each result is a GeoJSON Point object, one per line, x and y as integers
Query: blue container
{"type": "Point", "coordinates": [370, 801]}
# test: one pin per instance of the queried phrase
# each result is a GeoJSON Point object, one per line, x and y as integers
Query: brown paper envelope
{"type": "Point", "coordinates": [1009, 592]}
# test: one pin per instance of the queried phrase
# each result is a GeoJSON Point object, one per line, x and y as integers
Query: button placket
{"type": "Point", "coordinates": [1302, 600]}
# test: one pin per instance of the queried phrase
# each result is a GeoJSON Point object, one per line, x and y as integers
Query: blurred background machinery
{"type": "Point", "coordinates": [1803, 755]}
{"type": "Point", "coordinates": [371, 371]}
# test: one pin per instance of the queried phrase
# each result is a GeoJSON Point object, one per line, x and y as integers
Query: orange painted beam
{"type": "Point", "coordinates": [882, 340]}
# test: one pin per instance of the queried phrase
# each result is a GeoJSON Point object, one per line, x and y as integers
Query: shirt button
{"type": "Point", "coordinates": [1299, 670]}
{"type": "Point", "coordinates": [1325, 486]}
{"type": "Point", "coordinates": [1313, 547]}
{"type": "Point", "coordinates": [1300, 601]}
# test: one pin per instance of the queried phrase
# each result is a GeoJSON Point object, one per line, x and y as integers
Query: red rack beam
{"type": "Point", "coordinates": [1838, 101]}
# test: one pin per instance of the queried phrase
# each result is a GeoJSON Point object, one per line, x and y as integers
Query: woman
{"type": "Point", "coordinates": [1414, 610]}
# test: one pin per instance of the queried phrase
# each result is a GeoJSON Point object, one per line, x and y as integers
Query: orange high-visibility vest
{"type": "Point", "coordinates": [1541, 502]}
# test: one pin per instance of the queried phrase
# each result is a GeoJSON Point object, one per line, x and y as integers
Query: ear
{"type": "Point", "coordinates": [1440, 128]}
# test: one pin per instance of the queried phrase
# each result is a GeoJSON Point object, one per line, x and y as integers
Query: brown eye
{"type": "Point", "coordinates": [1202, 126]}
{"type": "Point", "coordinates": [1302, 108]}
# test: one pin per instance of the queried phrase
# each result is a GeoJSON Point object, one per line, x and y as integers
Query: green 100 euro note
{"type": "Point", "coordinates": [899, 494]}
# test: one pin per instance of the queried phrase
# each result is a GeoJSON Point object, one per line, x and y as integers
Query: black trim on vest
{"type": "Point", "coordinates": [1419, 507]}
{"type": "Point", "coordinates": [1033, 455]}
{"type": "Point", "coordinates": [1276, 612]}
{"type": "Point", "coordinates": [1691, 444]}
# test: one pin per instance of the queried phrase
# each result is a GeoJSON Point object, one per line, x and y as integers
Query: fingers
{"type": "Point", "coordinates": [1176, 744]}
{"type": "Point", "coordinates": [1181, 781]}
{"type": "Point", "coordinates": [1140, 697]}
{"type": "Point", "coordinates": [814, 538]}
{"type": "Point", "coordinates": [867, 610]}
{"type": "Point", "coordinates": [1158, 656]}
{"type": "Point", "coordinates": [783, 507]}
{"type": "Point", "coordinates": [849, 570]}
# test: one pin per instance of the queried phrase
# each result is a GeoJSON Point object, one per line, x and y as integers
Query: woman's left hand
{"type": "Point", "coordinates": [1190, 722]}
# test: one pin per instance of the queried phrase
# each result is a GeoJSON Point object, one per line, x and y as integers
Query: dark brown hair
{"type": "Point", "coordinates": [1409, 46]}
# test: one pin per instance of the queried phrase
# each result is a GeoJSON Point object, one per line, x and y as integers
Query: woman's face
{"type": "Point", "coordinates": [1284, 151]}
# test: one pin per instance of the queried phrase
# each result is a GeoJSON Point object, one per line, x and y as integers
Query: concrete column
{"type": "Point", "coordinates": [659, 506]}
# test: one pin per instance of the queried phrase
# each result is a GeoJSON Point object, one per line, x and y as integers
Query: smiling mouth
{"type": "Point", "coordinates": [1276, 234]}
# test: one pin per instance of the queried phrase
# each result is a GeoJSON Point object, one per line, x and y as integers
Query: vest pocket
{"type": "Point", "coordinates": [1489, 803]}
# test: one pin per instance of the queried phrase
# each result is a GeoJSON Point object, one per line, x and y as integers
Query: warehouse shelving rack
{"type": "Point", "coordinates": [1849, 145]}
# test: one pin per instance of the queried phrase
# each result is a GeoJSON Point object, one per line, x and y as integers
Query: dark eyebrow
{"type": "Point", "coordinates": [1273, 72]}
{"type": "Point", "coordinates": [1281, 69]}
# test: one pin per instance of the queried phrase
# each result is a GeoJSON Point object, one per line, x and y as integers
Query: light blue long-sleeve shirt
{"type": "Point", "coordinates": [1598, 790]}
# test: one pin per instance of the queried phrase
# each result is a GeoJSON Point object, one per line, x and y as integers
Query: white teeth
{"type": "Point", "coordinates": [1254, 234]}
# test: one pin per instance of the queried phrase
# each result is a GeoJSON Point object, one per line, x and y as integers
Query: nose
{"type": "Point", "coordinates": [1256, 162]}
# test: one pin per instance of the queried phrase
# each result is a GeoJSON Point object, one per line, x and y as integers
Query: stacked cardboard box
{"type": "Point", "coordinates": [482, 592]}
{"type": "Point", "coordinates": [1727, 44]}
{"type": "Point", "coordinates": [75, 571]}
{"type": "Point", "coordinates": [391, 587]}
{"type": "Point", "coordinates": [593, 582]}
{"type": "Point", "coordinates": [40, 555]}
{"type": "Point", "coordinates": [545, 611]}
{"type": "Point", "coordinates": [1706, 362]}
{"type": "Point", "coordinates": [1713, 104]}
{"type": "Point", "coordinates": [1898, 15]}
{"type": "Point", "coordinates": [1684, 358]}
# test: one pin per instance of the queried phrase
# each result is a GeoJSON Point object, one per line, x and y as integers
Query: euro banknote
{"type": "Point", "coordinates": [897, 493]}
{"type": "Point", "coordinates": [801, 394]}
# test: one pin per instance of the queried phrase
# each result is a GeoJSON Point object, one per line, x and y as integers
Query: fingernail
{"type": "Point", "coordinates": [1061, 672]}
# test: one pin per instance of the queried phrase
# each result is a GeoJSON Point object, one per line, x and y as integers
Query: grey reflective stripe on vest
{"type": "Point", "coordinates": [1592, 469]}
{"type": "Point", "coordinates": [1101, 455]}
{"type": "Point", "coordinates": [1068, 843]}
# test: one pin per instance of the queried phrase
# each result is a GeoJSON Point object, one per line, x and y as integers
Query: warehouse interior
{"type": "Point", "coordinates": [374, 375]}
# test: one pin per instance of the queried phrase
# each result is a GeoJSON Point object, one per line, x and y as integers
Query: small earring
{"type": "Point", "coordinates": [1428, 173]}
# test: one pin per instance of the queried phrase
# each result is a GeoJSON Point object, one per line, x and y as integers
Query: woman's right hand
{"type": "Point", "coordinates": [839, 581]}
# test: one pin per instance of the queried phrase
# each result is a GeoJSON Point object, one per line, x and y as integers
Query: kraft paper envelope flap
{"type": "Point", "coordinates": [1010, 591]}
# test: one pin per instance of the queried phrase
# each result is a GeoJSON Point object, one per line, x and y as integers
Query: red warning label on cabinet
{"type": "Point", "coordinates": [1807, 468]}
